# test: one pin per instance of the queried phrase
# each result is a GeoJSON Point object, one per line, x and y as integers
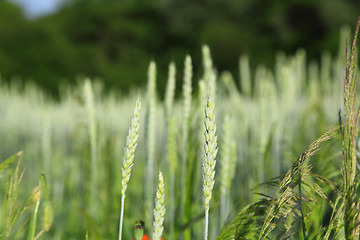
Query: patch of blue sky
{"type": "Point", "coordinates": [36, 8]}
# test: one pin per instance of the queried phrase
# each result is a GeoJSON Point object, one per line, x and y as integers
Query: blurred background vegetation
{"type": "Point", "coordinates": [115, 40]}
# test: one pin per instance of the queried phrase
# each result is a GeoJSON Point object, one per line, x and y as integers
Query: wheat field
{"type": "Point", "coordinates": [267, 153]}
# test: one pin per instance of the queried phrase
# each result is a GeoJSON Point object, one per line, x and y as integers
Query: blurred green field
{"type": "Point", "coordinates": [274, 115]}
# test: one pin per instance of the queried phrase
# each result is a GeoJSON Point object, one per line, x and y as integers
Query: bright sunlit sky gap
{"type": "Point", "coordinates": [35, 8]}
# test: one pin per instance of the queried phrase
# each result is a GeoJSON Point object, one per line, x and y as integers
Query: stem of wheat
{"type": "Point", "coordinates": [128, 159]}
{"type": "Point", "coordinates": [210, 147]}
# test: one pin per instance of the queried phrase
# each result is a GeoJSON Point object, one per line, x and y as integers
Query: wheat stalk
{"type": "Point", "coordinates": [210, 147]}
{"type": "Point", "coordinates": [128, 159]}
{"type": "Point", "coordinates": [159, 210]}
{"type": "Point", "coordinates": [172, 159]}
{"type": "Point", "coordinates": [150, 133]}
{"type": "Point", "coordinates": [187, 89]}
{"type": "Point", "coordinates": [171, 142]}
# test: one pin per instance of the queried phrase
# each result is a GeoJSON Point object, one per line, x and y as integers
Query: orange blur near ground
{"type": "Point", "coordinates": [139, 229]}
{"type": "Point", "coordinates": [145, 237]}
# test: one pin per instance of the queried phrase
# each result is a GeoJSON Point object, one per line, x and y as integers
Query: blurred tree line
{"type": "Point", "coordinates": [115, 39]}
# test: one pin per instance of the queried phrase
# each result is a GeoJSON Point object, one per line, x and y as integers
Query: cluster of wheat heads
{"type": "Point", "coordinates": [210, 146]}
{"type": "Point", "coordinates": [260, 129]}
{"type": "Point", "coordinates": [299, 191]}
{"type": "Point", "coordinates": [294, 210]}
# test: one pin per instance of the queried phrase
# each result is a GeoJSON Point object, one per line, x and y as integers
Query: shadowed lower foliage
{"type": "Point", "coordinates": [278, 216]}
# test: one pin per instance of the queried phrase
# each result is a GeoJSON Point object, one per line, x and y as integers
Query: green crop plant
{"type": "Point", "coordinates": [39, 193]}
{"type": "Point", "coordinates": [15, 210]}
{"type": "Point", "coordinates": [349, 133]}
{"type": "Point", "coordinates": [210, 149]}
{"type": "Point", "coordinates": [159, 210]}
{"type": "Point", "coordinates": [227, 164]}
{"type": "Point", "coordinates": [268, 184]}
{"type": "Point", "coordinates": [128, 159]}
{"type": "Point", "coordinates": [186, 108]}
{"type": "Point", "coordinates": [171, 156]}
{"type": "Point", "coordinates": [150, 134]}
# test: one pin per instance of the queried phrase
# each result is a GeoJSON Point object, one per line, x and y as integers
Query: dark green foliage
{"type": "Point", "coordinates": [115, 40]}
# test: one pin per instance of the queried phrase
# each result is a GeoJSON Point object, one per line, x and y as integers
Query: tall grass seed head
{"type": "Point", "coordinates": [151, 85]}
{"type": "Point", "coordinates": [131, 143]}
{"type": "Point", "coordinates": [159, 210]}
{"type": "Point", "coordinates": [210, 151]}
{"type": "Point", "coordinates": [187, 88]}
{"type": "Point", "coordinates": [170, 89]}
{"type": "Point", "coordinates": [207, 61]}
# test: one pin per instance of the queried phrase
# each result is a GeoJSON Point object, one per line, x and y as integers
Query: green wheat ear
{"type": "Point", "coordinates": [186, 108]}
{"type": "Point", "coordinates": [131, 143]}
{"type": "Point", "coordinates": [159, 210]}
{"type": "Point", "coordinates": [210, 151]}
{"type": "Point", "coordinates": [171, 142]}
{"type": "Point", "coordinates": [209, 74]}
{"type": "Point", "coordinates": [150, 135]}
{"type": "Point", "coordinates": [170, 90]}
{"type": "Point", "coordinates": [209, 159]}
{"type": "Point", "coordinates": [128, 159]}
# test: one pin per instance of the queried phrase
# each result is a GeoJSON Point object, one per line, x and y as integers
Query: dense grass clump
{"type": "Point", "coordinates": [264, 183]}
